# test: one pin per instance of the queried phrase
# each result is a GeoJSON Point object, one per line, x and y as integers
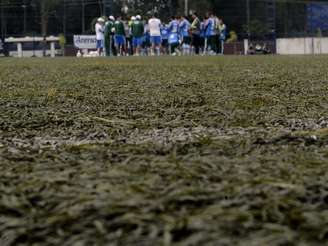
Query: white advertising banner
{"type": "Point", "coordinates": [85, 41]}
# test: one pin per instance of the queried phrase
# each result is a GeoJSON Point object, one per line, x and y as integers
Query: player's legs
{"type": "Point", "coordinates": [156, 44]}
{"type": "Point", "coordinates": [213, 44]}
{"type": "Point", "coordinates": [134, 45]}
{"type": "Point", "coordinates": [152, 41]}
{"type": "Point", "coordinates": [196, 43]}
{"type": "Point", "coordinates": [137, 42]}
{"type": "Point", "coordinates": [120, 45]}
{"type": "Point", "coordinates": [107, 46]}
{"type": "Point", "coordinates": [222, 47]}
{"type": "Point", "coordinates": [165, 46]}
{"type": "Point", "coordinates": [117, 44]}
{"type": "Point", "coordinates": [174, 48]}
{"type": "Point", "coordinates": [205, 45]}
{"type": "Point", "coordinates": [100, 46]}
{"type": "Point", "coordinates": [186, 45]}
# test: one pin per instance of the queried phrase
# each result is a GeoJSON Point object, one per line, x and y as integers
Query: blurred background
{"type": "Point", "coordinates": [246, 19]}
{"type": "Point", "coordinates": [257, 18]}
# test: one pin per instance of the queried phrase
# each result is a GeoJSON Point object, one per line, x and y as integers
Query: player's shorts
{"type": "Point", "coordinates": [119, 40]}
{"type": "Point", "coordinates": [100, 44]}
{"type": "Point", "coordinates": [222, 37]}
{"type": "Point", "coordinates": [156, 40]}
{"type": "Point", "coordinates": [137, 41]}
{"type": "Point", "coordinates": [146, 41]}
{"type": "Point", "coordinates": [165, 43]}
{"type": "Point", "coordinates": [186, 40]}
{"type": "Point", "coordinates": [202, 40]}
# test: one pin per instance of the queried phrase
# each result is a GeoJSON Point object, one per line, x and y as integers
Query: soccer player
{"type": "Point", "coordinates": [109, 36]}
{"type": "Point", "coordinates": [99, 28]}
{"type": "Point", "coordinates": [146, 45]}
{"type": "Point", "coordinates": [196, 31]}
{"type": "Point", "coordinates": [217, 34]}
{"type": "Point", "coordinates": [165, 39]}
{"type": "Point", "coordinates": [119, 36]}
{"type": "Point", "coordinates": [210, 34]}
{"type": "Point", "coordinates": [222, 35]}
{"type": "Point", "coordinates": [184, 28]}
{"type": "Point", "coordinates": [137, 30]}
{"type": "Point", "coordinates": [155, 34]}
{"type": "Point", "coordinates": [203, 44]}
{"type": "Point", "coordinates": [128, 35]}
{"type": "Point", "coordinates": [174, 37]}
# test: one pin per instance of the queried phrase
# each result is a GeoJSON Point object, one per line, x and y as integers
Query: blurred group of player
{"type": "Point", "coordinates": [181, 36]}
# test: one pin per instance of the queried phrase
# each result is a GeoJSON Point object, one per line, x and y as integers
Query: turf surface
{"type": "Point", "coordinates": [164, 151]}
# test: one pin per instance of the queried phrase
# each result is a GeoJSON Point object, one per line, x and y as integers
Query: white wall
{"type": "Point", "coordinates": [302, 46]}
{"type": "Point", "coordinates": [30, 53]}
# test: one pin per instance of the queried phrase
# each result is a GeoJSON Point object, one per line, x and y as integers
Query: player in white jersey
{"type": "Point", "coordinates": [100, 30]}
{"type": "Point", "coordinates": [155, 34]}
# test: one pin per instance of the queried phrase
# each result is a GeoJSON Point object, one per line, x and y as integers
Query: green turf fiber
{"type": "Point", "coordinates": [164, 151]}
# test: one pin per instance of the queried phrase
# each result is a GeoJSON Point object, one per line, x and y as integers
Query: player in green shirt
{"type": "Point", "coordinates": [137, 30]}
{"type": "Point", "coordinates": [119, 36]}
{"type": "Point", "coordinates": [109, 28]}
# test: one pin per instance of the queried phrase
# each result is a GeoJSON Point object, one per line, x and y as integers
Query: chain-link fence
{"type": "Point", "coordinates": [256, 20]}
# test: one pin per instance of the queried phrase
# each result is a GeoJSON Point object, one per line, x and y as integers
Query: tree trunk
{"type": "Point", "coordinates": [44, 25]}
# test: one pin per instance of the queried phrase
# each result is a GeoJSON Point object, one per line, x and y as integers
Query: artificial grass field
{"type": "Point", "coordinates": [164, 151]}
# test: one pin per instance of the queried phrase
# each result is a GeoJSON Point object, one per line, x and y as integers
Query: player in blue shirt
{"type": "Point", "coordinates": [184, 28]}
{"type": "Point", "coordinates": [210, 34]}
{"type": "Point", "coordinates": [174, 35]}
{"type": "Point", "coordinates": [146, 41]}
{"type": "Point", "coordinates": [165, 39]}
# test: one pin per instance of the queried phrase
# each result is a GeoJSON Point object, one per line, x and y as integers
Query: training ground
{"type": "Point", "coordinates": [164, 151]}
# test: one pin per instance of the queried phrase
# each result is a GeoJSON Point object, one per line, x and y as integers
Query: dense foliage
{"type": "Point", "coordinates": [147, 151]}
